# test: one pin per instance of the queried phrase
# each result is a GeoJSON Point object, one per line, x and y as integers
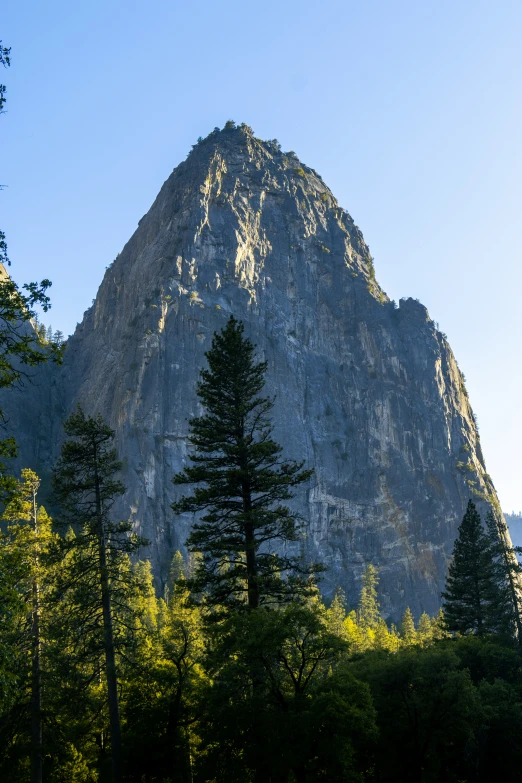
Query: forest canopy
{"type": "Point", "coordinates": [239, 670]}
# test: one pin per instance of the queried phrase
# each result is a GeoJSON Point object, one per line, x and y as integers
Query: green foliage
{"type": "Point", "coordinates": [275, 707]}
{"type": "Point", "coordinates": [476, 599]}
{"type": "Point", "coordinates": [427, 712]}
{"type": "Point", "coordinates": [95, 576]}
{"type": "Point", "coordinates": [363, 629]}
{"type": "Point", "coordinates": [371, 268]}
{"type": "Point", "coordinates": [336, 615]}
{"type": "Point", "coordinates": [5, 60]}
{"type": "Point", "coordinates": [164, 689]}
{"type": "Point", "coordinates": [23, 549]}
{"type": "Point", "coordinates": [425, 632]}
{"type": "Point", "coordinates": [72, 768]}
{"type": "Point", "coordinates": [21, 346]}
{"type": "Point", "coordinates": [369, 614]}
{"type": "Point", "coordinates": [290, 691]}
{"type": "Point", "coordinates": [507, 569]}
{"type": "Point", "coordinates": [498, 744]}
{"type": "Point", "coordinates": [439, 628]}
{"type": "Point", "coordinates": [408, 633]}
{"type": "Point", "coordinates": [297, 693]}
{"type": "Point", "coordinates": [300, 171]}
{"type": "Point", "coordinates": [177, 571]}
{"type": "Point", "coordinates": [241, 483]}
{"type": "Point", "coordinates": [15, 572]}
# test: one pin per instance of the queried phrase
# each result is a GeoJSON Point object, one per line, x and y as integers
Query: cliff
{"type": "Point", "coordinates": [368, 393]}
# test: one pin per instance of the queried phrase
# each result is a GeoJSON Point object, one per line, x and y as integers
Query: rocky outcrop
{"type": "Point", "coordinates": [367, 392]}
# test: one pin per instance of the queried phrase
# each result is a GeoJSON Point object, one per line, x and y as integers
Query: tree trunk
{"type": "Point", "coordinates": [251, 565]}
{"type": "Point", "coordinates": [36, 691]}
{"type": "Point", "coordinates": [180, 770]}
{"type": "Point", "coordinates": [110, 667]}
{"type": "Point", "coordinates": [250, 549]}
{"type": "Point", "coordinates": [478, 604]}
{"type": "Point", "coordinates": [36, 666]}
{"type": "Point", "coordinates": [108, 639]}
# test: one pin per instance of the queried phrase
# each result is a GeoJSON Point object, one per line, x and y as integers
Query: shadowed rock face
{"type": "Point", "coordinates": [367, 393]}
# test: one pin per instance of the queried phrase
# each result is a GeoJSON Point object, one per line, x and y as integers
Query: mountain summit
{"type": "Point", "coordinates": [368, 393]}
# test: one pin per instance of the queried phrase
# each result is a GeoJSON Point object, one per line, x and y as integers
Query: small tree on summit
{"type": "Point", "coordinates": [475, 600]}
{"type": "Point", "coordinates": [242, 480]}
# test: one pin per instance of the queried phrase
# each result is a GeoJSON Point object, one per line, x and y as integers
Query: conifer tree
{"type": "Point", "coordinates": [34, 539]}
{"type": "Point", "coordinates": [59, 338]}
{"type": "Point", "coordinates": [408, 634]}
{"type": "Point", "coordinates": [14, 664]}
{"type": "Point", "coordinates": [336, 614]}
{"type": "Point", "coordinates": [177, 571]}
{"type": "Point", "coordinates": [354, 634]}
{"type": "Point", "coordinates": [369, 614]}
{"type": "Point", "coordinates": [508, 570]}
{"type": "Point", "coordinates": [98, 574]}
{"type": "Point", "coordinates": [242, 481]}
{"type": "Point", "coordinates": [24, 548]}
{"type": "Point", "coordinates": [163, 685]}
{"type": "Point", "coordinates": [383, 638]}
{"type": "Point", "coordinates": [394, 641]}
{"type": "Point", "coordinates": [439, 629]}
{"type": "Point", "coordinates": [474, 601]}
{"type": "Point", "coordinates": [425, 630]}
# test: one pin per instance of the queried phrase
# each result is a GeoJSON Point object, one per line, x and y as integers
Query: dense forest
{"type": "Point", "coordinates": [239, 671]}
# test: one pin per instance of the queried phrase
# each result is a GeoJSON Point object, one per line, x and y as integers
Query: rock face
{"type": "Point", "coordinates": [368, 393]}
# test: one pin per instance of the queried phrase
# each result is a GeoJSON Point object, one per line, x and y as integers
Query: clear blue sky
{"type": "Point", "coordinates": [411, 112]}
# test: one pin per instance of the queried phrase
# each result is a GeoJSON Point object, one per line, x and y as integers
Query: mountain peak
{"type": "Point", "coordinates": [241, 139]}
{"type": "Point", "coordinates": [368, 394]}
{"type": "Point", "coordinates": [232, 202]}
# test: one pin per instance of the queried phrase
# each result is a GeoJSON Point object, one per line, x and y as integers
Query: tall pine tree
{"type": "Point", "coordinates": [241, 481]}
{"type": "Point", "coordinates": [408, 634]}
{"type": "Point", "coordinates": [368, 612]}
{"type": "Point", "coordinates": [508, 570]}
{"type": "Point", "coordinates": [98, 574]}
{"type": "Point", "coordinates": [475, 600]}
{"type": "Point", "coordinates": [34, 538]}
{"type": "Point", "coordinates": [23, 549]}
